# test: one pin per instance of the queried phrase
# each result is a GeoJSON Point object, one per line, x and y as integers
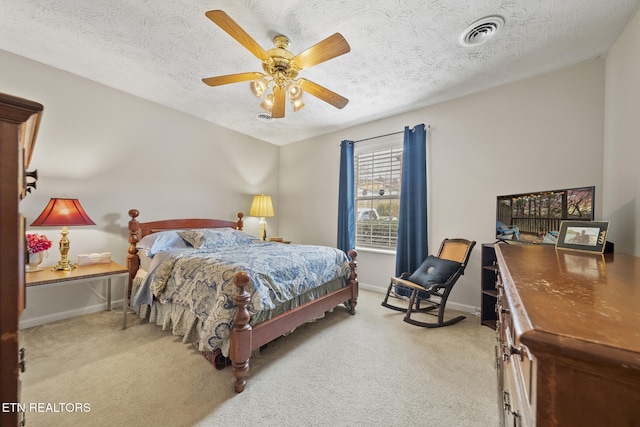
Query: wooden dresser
{"type": "Point", "coordinates": [568, 330]}
{"type": "Point", "coordinates": [19, 121]}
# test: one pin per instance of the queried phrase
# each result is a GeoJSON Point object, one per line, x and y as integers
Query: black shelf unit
{"type": "Point", "coordinates": [489, 293]}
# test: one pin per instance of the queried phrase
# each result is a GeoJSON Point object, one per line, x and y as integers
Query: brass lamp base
{"type": "Point", "coordinates": [64, 266]}
{"type": "Point", "coordinates": [64, 263]}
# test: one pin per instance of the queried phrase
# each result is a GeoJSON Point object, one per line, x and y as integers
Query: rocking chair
{"type": "Point", "coordinates": [434, 278]}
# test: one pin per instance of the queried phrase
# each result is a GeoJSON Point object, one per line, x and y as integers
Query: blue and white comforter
{"type": "Point", "coordinates": [202, 281]}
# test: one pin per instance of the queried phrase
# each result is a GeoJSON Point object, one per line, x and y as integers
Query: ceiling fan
{"type": "Point", "coordinates": [281, 68]}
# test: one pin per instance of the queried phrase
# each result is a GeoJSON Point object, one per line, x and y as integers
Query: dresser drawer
{"type": "Point", "coordinates": [517, 364]}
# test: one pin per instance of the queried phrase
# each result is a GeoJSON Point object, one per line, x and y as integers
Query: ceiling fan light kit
{"type": "Point", "coordinates": [259, 87]}
{"type": "Point", "coordinates": [281, 68]}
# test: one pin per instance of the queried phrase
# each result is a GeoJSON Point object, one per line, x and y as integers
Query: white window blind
{"type": "Point", "coordinates": [377, 176]}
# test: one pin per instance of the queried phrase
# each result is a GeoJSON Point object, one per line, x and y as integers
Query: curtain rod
{"type": "Point", "coordinates": [379, 136]}
{"type": "Point", "coordinates": [382, 136]}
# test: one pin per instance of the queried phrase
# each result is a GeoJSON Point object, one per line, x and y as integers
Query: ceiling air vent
{"type": "Point", "coordinates": [264, 117]}
{"type": "Point", "coordinates": [481, 31]}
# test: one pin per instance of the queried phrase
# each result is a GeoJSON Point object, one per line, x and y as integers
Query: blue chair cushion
{"type": "Point", "coordinates": [434, 270]}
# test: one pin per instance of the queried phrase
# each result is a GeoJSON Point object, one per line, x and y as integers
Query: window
{"type": "Point", "coordinates": [377, 172]}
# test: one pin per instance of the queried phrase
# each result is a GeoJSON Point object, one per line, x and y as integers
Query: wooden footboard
{"type": "Point", "coordinates": [244, 339]}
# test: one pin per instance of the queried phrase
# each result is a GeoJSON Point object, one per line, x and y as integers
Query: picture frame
{"type": "Point", "coordinates": [589, 236]}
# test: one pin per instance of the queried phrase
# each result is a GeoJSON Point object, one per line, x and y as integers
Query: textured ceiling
{"type": "Point", "coordinates": [404, 53]}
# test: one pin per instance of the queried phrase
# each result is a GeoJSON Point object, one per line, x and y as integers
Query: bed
{"type": "Point", "coordinates": [231, 293]}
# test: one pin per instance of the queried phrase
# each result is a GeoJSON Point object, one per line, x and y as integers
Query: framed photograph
{"type": "Point", "coordinates": [590, 236]}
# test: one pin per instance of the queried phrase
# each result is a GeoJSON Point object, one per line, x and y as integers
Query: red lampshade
{"type": "Point", "coordinates": [63, 212]}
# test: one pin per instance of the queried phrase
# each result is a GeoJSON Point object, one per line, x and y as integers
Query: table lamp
{"type": "Point", "coordinates": [263, 208]}
{"type": "Point", "coordinates": [63, 212]}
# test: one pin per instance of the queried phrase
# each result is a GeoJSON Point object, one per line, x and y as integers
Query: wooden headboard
{"type": "Point", "coordinates": [137, 230]}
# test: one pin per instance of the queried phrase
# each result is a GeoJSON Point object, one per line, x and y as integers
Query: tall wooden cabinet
{"type": "Point", "coordinates": [568, 337]}
{"type": "Point", "coordinates": [19, 121]}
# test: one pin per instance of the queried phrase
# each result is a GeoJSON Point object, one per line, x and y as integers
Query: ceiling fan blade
{"type": "Point", "coordinates": [223, 21]}
{"type": "Point", "coordinates": [328, 48]}
{"type": "Point", "coordinates": [323, 93]}
{"type": "Point", "coordinates": [232, 78]}
{"type": "Point", "coordinates": [279, 94]}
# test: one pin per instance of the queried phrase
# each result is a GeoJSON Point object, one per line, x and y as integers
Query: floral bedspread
{"type": "Point", "coordinates": [202, 281]}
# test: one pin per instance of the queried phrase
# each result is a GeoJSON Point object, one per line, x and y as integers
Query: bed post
{"type": "Point", "coordinates": [240, 222]}
{"type": "Point", "coordinates": [133, 260]}
{"type": "Point", "coordinates": [240, 335]}
{"type": "Point", "coordinates": [353, 280]}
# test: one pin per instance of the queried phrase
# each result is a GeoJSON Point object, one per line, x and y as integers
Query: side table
{"type": "Point", "coordinates": [81, 274]}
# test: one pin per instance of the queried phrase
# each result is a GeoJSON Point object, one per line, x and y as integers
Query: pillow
{"type": "Point", "coordinates": [434, 270]}
{"type": "Point", "coordinates": [211, 238]}
{"type": "Point", "coordinates": [153, 243]}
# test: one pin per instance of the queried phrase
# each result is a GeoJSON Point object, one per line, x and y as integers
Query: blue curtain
{"type": "Point", "coordinates": [412, 247]}
{"type": "Point", "coordinates": [346, 199]}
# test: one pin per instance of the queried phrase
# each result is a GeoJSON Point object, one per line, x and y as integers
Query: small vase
{"type": "Point", "coordinates": [33, 262]}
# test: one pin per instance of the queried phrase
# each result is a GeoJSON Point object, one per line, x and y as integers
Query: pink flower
{"type": "Point", "coordinates": [37, 243]}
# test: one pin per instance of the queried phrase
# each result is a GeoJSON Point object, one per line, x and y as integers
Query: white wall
{"type": "Point", "coordinates": [622, 141]}
{"type": "Point", "coordinates": [114, 152]}
{"type": "Point", "coordinates": [540, 134]}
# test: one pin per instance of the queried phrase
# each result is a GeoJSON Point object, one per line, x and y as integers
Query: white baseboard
{"type": "Point", "coordinates": [53, 317]}
{"type": "Point", "coordinates": [450, 304]}
{"type": "Point", "coordinates": [461, 307]}
{"type": "Point", "coordinates": [377, 289]}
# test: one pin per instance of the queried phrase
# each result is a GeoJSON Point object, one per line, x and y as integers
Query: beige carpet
{"type": "Point", "coordinates": [371, 369]}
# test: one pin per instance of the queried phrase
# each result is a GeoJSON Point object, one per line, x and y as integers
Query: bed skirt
{"type": "Point", "coordinates": [184, 323]}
